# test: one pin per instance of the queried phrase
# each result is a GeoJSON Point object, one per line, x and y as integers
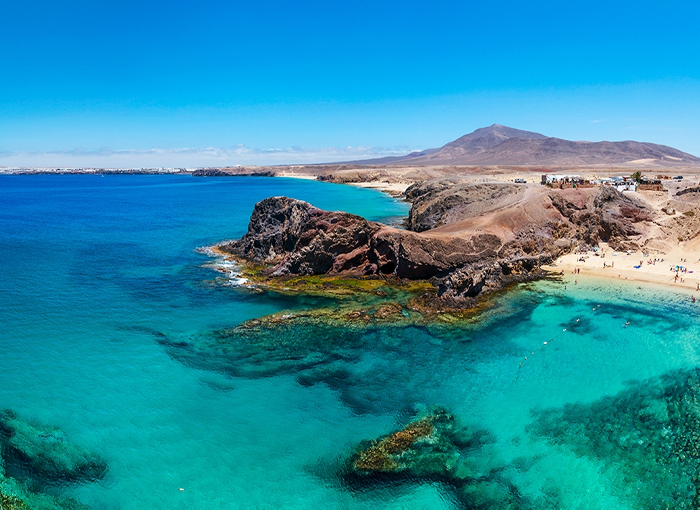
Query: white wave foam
{"type": "Point", "coordinates": [230, 268]}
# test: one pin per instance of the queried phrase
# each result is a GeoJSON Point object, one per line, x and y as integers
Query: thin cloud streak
{"type": "Point", "coordinates": [186, 157]}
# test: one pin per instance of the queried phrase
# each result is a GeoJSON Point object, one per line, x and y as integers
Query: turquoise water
{"type": "Point", "coordinates": [96, 269]}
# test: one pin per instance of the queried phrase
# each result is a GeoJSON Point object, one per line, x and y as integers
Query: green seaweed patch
{"type": "Point", "coordinates": [324, 285]}
{"type": "Point", "coordinates": [11, 503]}
{"type": "Point", "coordinates": [339, 286]}
{"type": "Point", "coordinates": [436, 447]}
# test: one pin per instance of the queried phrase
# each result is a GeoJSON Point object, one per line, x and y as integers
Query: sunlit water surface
{"type": "Point", "coordinates": [92, 266]}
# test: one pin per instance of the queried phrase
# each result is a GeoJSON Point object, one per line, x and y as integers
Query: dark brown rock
{"type": "Point", "coordinates": [296, 238]}
{"type": "Point", "coordinates": [440, 202]}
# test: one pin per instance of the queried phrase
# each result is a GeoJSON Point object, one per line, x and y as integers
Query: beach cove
{"type": "Point", "coordinates": [103, 281]}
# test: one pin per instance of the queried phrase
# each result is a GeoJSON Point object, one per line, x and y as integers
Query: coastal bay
{"type": "Point", "coordinates": [118, 335]}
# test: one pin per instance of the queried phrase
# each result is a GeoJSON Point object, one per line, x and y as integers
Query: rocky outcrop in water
{"type": "Point", "coordinates": [295, 238]}
{"type": "Point", "coordinates": [436, 447]}
{"type": "Point", "coordinates": [466, 238]}
{"type": "Point", "coordinates": [427, 447]}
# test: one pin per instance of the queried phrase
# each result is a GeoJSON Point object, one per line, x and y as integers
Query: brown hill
{"type": "Point", "coordinates": [501, 145]}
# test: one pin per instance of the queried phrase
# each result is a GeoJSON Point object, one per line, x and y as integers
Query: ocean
{"type": "Point", "coordinates": [96, 271]}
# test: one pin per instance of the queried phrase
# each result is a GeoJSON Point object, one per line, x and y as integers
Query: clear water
{"type": "Point", "coordinates": [91, 266]}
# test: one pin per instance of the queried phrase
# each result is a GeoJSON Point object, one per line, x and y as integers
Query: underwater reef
{"type": "Point", "coordinates": [365, 354]}
{"type": "Point", "coordinates": [35, 459]}
{"type": "Point", "coordinates": [647, 436]}
{"type": "Point", "coordinates": [368, 351]}
{"type": "Point", "coordinates": [435, 447]}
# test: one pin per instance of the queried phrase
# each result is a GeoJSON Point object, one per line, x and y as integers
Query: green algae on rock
{"type": "Point", "coordinates": [426, 447]}
{"type": "Point", "coordinates": [11, 503]}
{"type": "Point", "coordinates": [648, 436]}
{"type": "Point", "coordinates": [436, 447]}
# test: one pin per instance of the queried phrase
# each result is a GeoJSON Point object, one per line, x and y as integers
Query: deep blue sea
{"type": "Point", "coordinates": [93, 269]}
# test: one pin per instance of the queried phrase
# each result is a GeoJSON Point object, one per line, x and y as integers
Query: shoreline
{"type": "Point", "coordinates": [393, 189]}
{"type": "Point", "coordinates": [621, 266]}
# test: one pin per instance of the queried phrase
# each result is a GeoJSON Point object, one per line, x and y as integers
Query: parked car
{"type": "Point", "coordinates": [678, 177]}
{"type": "Point", "coordinates": [520, 181]}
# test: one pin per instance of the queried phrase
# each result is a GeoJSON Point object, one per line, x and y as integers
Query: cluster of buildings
{"type": "Point", "coordinates": [620, 183]}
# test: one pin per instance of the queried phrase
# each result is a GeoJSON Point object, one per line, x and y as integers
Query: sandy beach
{"type": "Point", "coordinates": [635, 267]}
{"type": "Point", "coordinates": [395, 189]}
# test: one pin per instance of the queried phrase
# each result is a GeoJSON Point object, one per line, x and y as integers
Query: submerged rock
{"type": "Point", "coordinates": [44, 453]}
{"type": "Point", "coordinates": [647, 435]}
{"type": "Point", "coordinates": [428, 447]}
{"type": "Point", "coordinates": [33, 458]}
{"type": "Point", "coordinates": [435, 447]}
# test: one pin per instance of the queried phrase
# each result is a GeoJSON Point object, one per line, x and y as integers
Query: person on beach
{"type": "Point", "coordinates": [693, 298]}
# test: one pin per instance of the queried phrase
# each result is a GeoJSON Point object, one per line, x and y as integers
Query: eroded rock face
{"type": "Point", "coordinates": [612, 218]}
{"type": "Point", "coordinates": [299, 239]}
{"type": "Point", "coordinates": [274, 229]}
{"type": "Point", "coordinates": [440, 202]}
{"type": "Point", "coordinates": [294, 238]}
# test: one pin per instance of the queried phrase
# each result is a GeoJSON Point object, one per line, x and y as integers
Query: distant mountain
{"type": "Point", "coordinates": [502, 145]}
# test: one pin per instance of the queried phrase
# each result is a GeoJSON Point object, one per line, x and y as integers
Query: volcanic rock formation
{"type": "Point", "coordinates": [502, 145]}
{"type": "Point", "coordinates": [466, 238]}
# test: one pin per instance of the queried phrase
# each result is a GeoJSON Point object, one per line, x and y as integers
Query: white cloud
{"type": "Point", "coordinates": [192, 157]}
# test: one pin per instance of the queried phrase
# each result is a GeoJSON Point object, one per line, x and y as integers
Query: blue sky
{"type": "Point", "coordinates": [126, 83]}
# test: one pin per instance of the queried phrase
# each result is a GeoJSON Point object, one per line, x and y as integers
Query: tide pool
{"type": "Point", "coordinates": [94, 270]}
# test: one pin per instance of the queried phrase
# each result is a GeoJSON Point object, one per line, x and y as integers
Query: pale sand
{"type": "Point", "coordinates": [393, 188]}
{"type": "Point", "coordinates": [660, 272]}
{"type": "Point", "coordinates": [296, 175]}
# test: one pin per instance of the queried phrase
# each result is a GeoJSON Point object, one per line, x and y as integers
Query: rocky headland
{"type": "Point", "coordinates": [465, 239]}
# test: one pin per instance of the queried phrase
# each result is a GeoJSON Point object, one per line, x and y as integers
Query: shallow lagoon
{"type": "Point", "coordinates": [95, 268]}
